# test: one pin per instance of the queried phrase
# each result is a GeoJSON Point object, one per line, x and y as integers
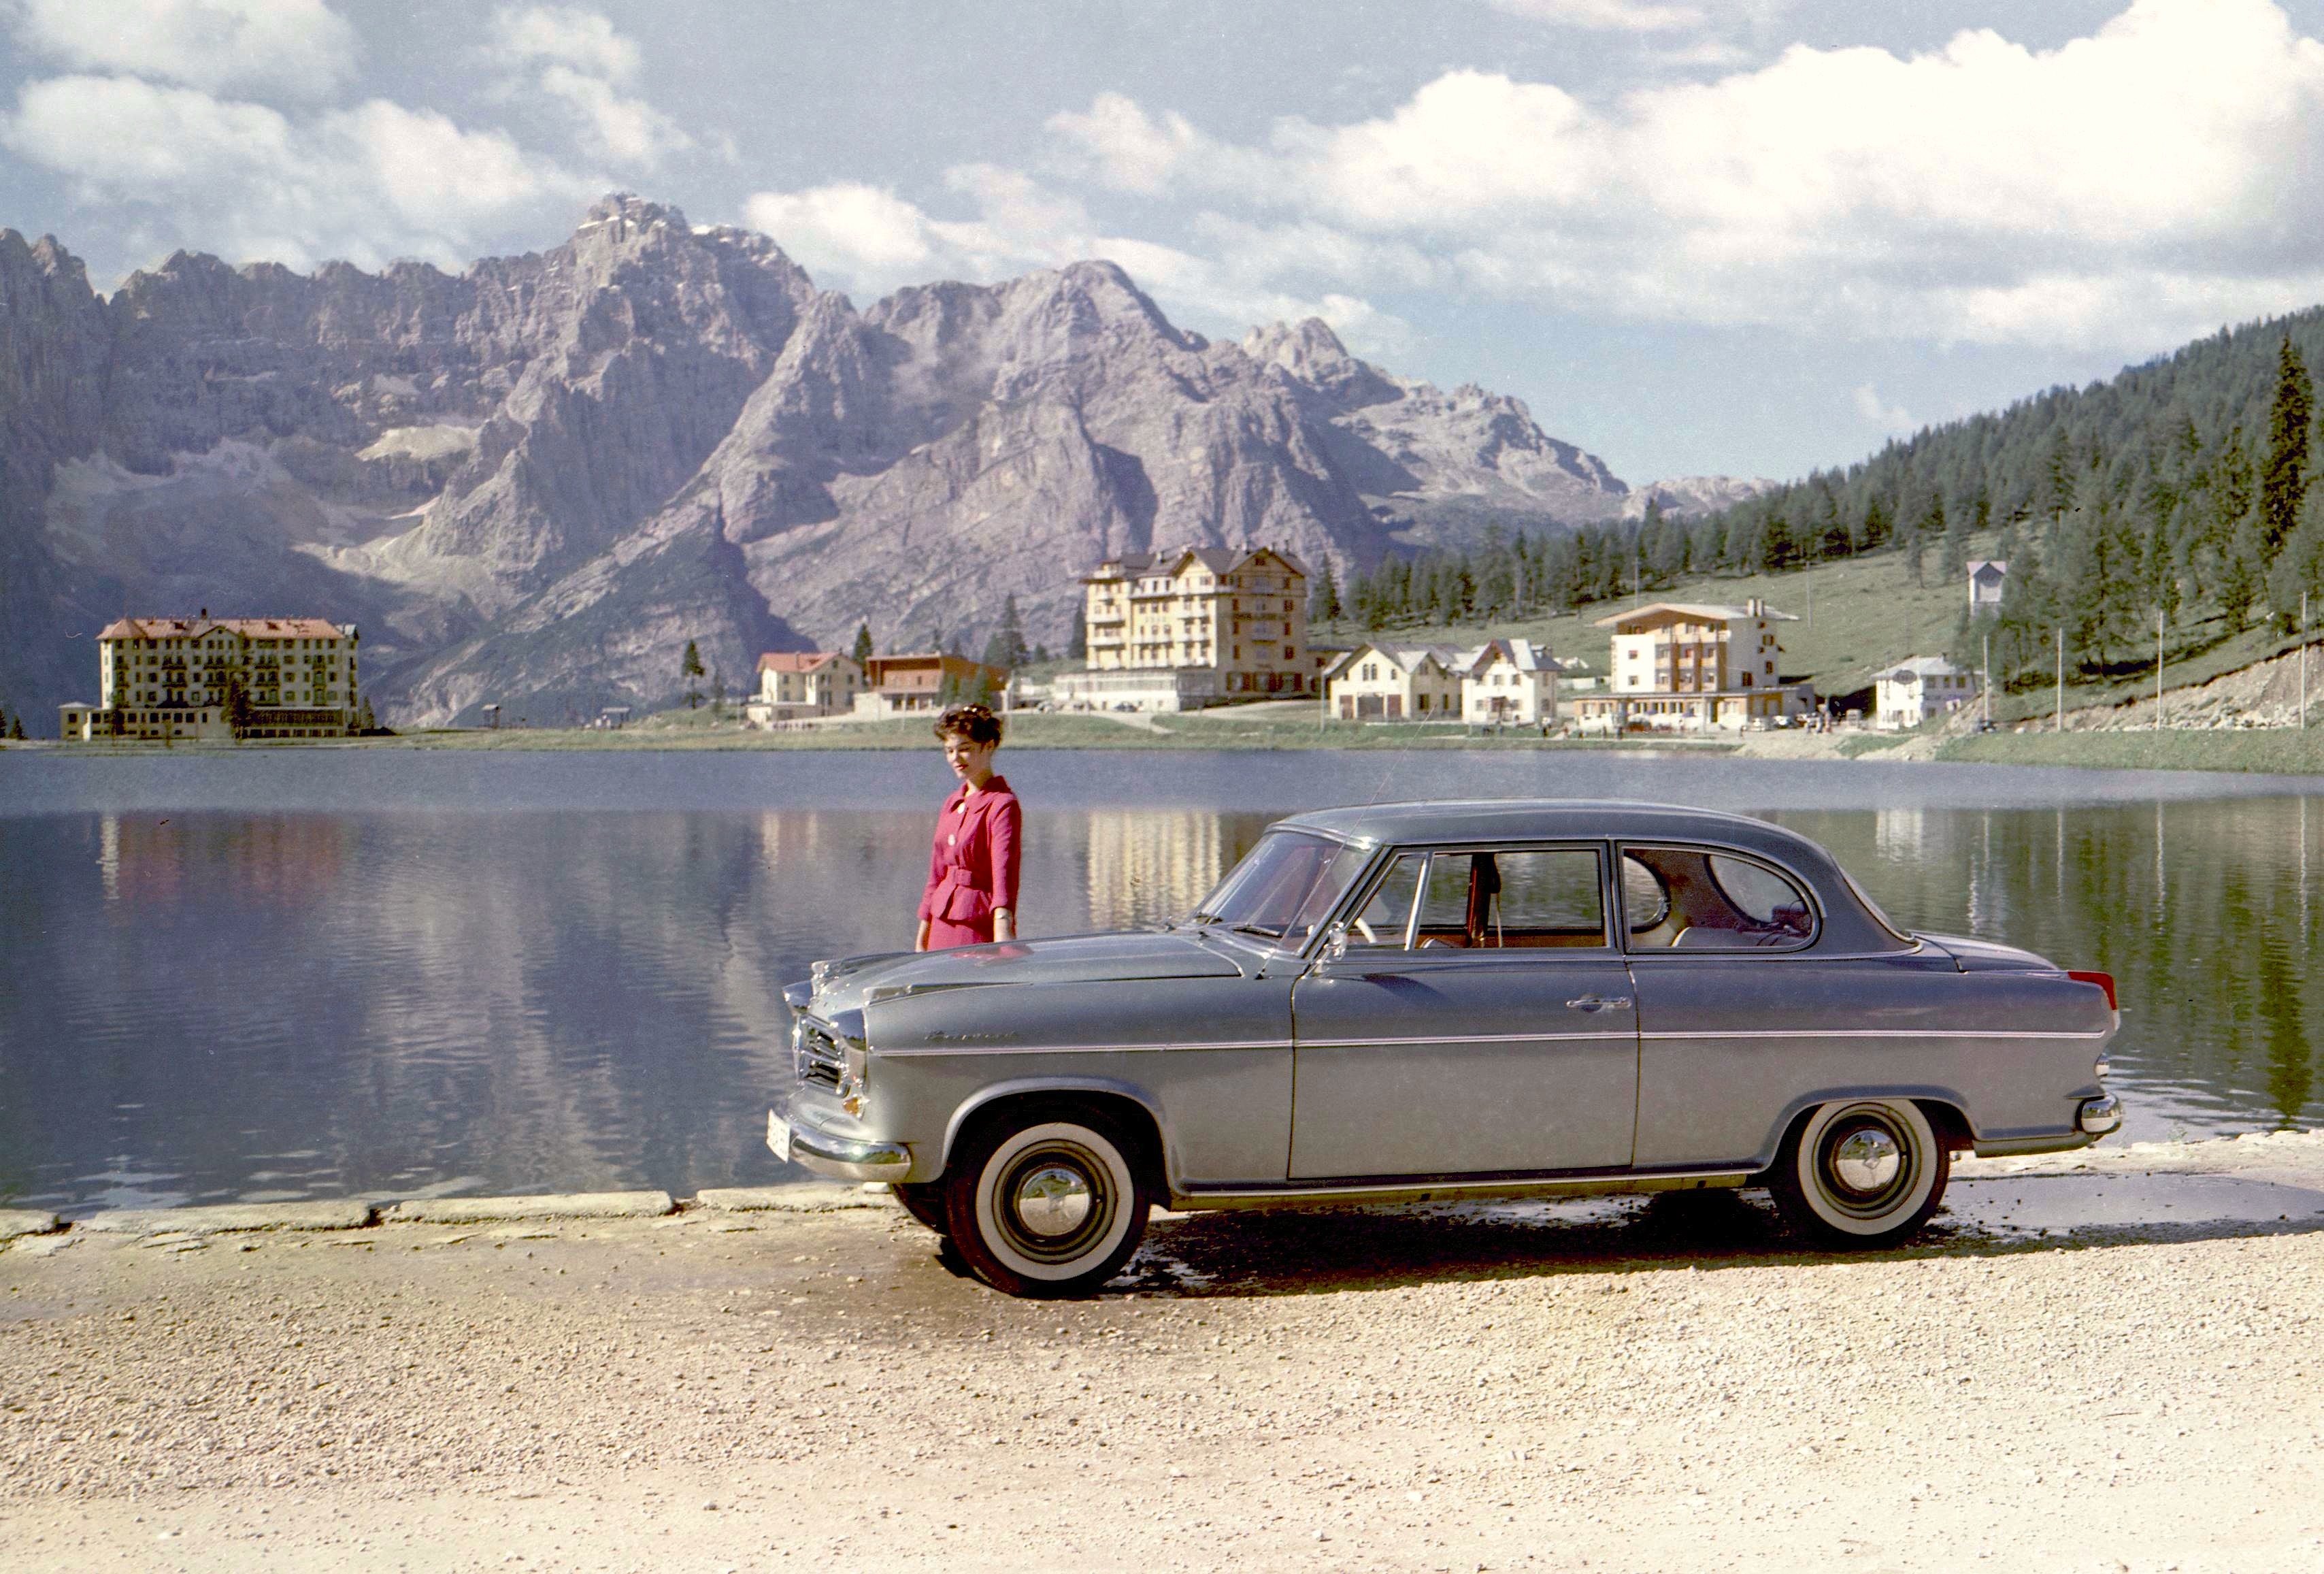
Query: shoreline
{"type": "Point", "coordinates": [40, 1229]}
{"type": "Point", "coordinates": [2248, 751]}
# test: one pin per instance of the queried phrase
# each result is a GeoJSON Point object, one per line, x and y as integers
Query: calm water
{"type": "Point", "coordinates": [405, 974]}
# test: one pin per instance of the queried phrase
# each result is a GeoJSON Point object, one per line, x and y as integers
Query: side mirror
{"type": "Point", "coordinates": [1335, 943]}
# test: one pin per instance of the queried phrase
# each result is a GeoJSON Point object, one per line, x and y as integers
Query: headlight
{"type": "Point", "coordinates": [854, 1076]}
{"type": "Point", "coordinates": [854, 1059]}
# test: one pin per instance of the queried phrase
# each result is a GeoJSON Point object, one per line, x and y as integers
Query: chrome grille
{"type": "Point", "coordinates": [815, 1054]}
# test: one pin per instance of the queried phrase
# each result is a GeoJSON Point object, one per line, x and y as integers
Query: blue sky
{"type": "Point", "coordinates": [1740, 237]}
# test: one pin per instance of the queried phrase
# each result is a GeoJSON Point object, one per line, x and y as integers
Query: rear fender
{"type": "Point", "coordinates": [1944, 1107]}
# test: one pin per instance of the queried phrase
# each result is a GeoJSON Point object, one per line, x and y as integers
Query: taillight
{"type": "Point", "coordinates": [2103, 980]}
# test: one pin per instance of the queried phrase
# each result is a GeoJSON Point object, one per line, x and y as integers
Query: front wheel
{"type": "Point", "coordinates": [1045, 1202]}
{"type": "Point", "coordinates": [1863, 1172]}
{"type": "Point", "coordinates": [924, 1200]}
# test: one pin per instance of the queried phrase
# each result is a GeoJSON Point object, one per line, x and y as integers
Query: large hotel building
{"type": "Point", "coordinates": [1201, 626]}
{"type": "Point", "coordinates": [214, 680]}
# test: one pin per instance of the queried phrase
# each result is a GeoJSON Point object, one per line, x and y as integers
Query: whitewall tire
{"type": "Point", "coordinates": [1861, 1172]}
{"type": "Point", "coordinates": [1046, 1202]}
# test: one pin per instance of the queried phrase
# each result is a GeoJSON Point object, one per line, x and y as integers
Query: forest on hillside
{"type": "Point", "coordinates": [2179, 491]}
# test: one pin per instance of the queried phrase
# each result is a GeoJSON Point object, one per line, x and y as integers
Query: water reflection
{"type": "Point", "coordinates": [209, 1007]}
{"type": "Point", "coordinates": [2201, 911]}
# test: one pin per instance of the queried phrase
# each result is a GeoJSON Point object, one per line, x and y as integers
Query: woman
{"type": "Point", "coordinates": [971, 894]}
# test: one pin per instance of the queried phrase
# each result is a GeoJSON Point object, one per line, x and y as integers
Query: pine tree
{"type": "Point", "coordinates": [689, 669]}
{"type": "Point", "coordinates": [16, 729]}
{"type": "Point", "coordinates": [863, 652]}
{"type": "Point", "coordinates": [1009, 643]}
{"type": "Point", "coordinates": [1323, 600]}
{"type": "Point", "coordinates": [1078, 644]}
{"type": "Point", "coordinates": [2283, 481]}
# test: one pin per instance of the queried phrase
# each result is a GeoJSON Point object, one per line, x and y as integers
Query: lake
{"type": "Point", "coordinates": [271, 975]}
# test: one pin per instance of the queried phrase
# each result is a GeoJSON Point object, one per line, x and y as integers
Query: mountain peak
{"type": "Point", "coordinates": [628, 207]}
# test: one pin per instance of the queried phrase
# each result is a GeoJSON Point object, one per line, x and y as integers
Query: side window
{"type": "Point", "coordinates": [1485, 899]}
{"type": "Point", "coordinates": [1444, 905]}
{"type": "Point", "coordinates": [1384, 917]}
{"type": "Point", "coordinates": [1684, 899]}
{"type": "Point", "coordinates": [1549, 897]}
{"type": "Point", "coordinates": [1760, 895]}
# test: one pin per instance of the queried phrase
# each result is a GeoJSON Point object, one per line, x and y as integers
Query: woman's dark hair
{"type": "Point", "coordinates": [974, 722]}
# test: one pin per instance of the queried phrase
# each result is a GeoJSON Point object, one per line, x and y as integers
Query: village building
{"type": "Point", "coordinates": [1691, 666]}
{"type": "Point", "coordinates": [1199, 626]}
{"type": "Point", "coordinates": [217, 680]}
{"type": "Point", "coordinates": [1919, 688]}
{"type": "Point", "coordinates": [1987, 578]}
{"type": "Point", "coordinates": [802, 685]}
{"type": "Point", "coordinates": [1509, 682]}
{"type": "Point", "coordinates": [924, 684]}
{"type": "Point", "coordinates": [1394, 682]}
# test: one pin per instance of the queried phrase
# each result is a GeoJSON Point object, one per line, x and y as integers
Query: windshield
{"type": "Point", "coordinates": [1284, 887]}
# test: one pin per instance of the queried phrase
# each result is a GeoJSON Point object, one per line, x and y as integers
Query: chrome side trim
{"type": "Point", "coordinates": [982, 1049]}
{"type": "Point", "coordinates": [1335, 1044]}
{"type": "Point", "coordinates": [1878, 1032]}
{"type": "Point", "coordinates": [1332, 1194]}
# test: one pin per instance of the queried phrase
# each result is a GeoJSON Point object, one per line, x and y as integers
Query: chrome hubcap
{"type": "Point", "coordinates": [1866, 1160]}
{"type": "Point", "coordinates": [1053, 1201]}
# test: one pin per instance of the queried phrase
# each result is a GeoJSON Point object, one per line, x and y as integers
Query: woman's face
{"type": "Point", "coordinates": [969, 761]}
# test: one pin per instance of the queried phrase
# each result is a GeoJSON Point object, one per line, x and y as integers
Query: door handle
{"type": "Point", "coordinates": [1600, 1002]}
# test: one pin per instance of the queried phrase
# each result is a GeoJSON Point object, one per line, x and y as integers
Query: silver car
{"type": "Point", "coordinates": [1418, 1001]}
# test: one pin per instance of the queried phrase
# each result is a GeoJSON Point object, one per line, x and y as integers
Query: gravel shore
{"type": "Point", "coordinates": [1670, 1386]}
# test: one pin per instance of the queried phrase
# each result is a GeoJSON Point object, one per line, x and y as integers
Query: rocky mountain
{"type": "Point", "coordinates": [534, 483]}
{"type": "Point", "coordinates": [1682, 495]}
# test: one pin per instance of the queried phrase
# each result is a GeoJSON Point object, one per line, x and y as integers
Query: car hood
{"type": "Point", "coordinates": [1972, 956]}
{"type": "Point", "coordinates": [1091, 958]}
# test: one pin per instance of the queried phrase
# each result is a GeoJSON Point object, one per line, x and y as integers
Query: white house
{"type": "Point", "coordinates": [1691, 666]}
{"type": "Point", "coordinates": [1510, 681]}
{"type": "Point", "coordinates": [1913, 690]}
{"type": "Point", "coordinates": [1382, 682]}
{"type": "Point", "coordinates": [798, 685]}
{"type": "Point", "coordinates": [1988, 578]}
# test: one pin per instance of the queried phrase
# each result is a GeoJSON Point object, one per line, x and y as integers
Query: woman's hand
{"type": "Point", "coordinates": [921, 943]}
{"type": "Point", "coordinates": [1004, 925]}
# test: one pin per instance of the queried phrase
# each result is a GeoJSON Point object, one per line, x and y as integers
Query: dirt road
{"type": "Point", "coordinates": [1613, 1385]}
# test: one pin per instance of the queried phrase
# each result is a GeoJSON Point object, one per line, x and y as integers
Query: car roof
{"type": "Point", "coordinates": [1532, 818]}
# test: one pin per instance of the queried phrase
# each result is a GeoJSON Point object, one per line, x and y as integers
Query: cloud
{"type": "Point", "coordinates": [297, 47]}
{"type": "Point", "coordinates": [2158, 176]}
{"type": "Point", "coordinates": [368, 183]}
{"type": "Point", "coordinates": [868, 238]}
{"type": "Point", "coordinates": [1889, 417]}
{"type": "Point", "coordinates": [1605, 15]}
{"type": "Point", "coordinates": [578, 60]}
{"type": "Point", "coordinates": [850, 230]}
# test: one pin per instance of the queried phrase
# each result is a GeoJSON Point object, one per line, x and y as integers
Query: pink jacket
{"type": "Point", "coordinates": [973, 867]}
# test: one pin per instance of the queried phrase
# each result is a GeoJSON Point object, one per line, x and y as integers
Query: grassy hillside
{"type": "Point", "coordinates": [1855, 616]}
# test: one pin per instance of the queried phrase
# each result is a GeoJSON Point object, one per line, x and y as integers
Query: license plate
{"type": "Point", "coordinates": [779, 1136]}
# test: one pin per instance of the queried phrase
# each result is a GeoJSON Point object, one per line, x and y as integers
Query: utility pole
{"type": "Point", "coordinates": [1986, 703]}
{"type": "Point", "coordinates": [2061, 678]}
{"type": "Point", "coordinates": [2158, 671]}
{"type": "Point", "coordinates": [2303, 661]}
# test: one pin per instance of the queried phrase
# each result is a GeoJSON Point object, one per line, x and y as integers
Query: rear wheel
{"type": "Point", "coordinates": [1045, 1201]}
{"type": "Point", "coordinates": [1862, 1172]}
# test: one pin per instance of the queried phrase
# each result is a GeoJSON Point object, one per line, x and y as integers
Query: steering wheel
{"type": "Point", "coordinates": [1365, 929]}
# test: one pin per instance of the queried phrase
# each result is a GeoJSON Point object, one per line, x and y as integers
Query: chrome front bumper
{"type": "Point", "coordinates": [794, 1135]}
